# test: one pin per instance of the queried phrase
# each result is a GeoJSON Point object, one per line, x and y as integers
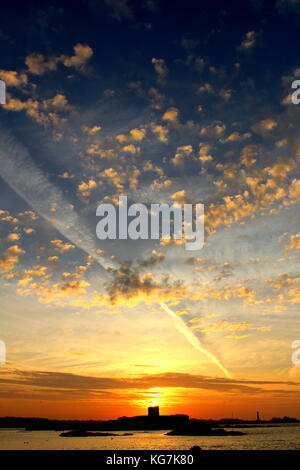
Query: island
{"type": "Point", "coordinates": [84, 433]}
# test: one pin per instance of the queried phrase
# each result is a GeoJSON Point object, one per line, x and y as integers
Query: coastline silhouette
{"type": "Point", "coordinates": [176, 425]}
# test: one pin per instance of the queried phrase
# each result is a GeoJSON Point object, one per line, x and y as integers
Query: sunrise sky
{"type": "Point", "coordinates": [163, 102]}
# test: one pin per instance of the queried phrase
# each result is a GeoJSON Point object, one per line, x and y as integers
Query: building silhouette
{"type": "Point", "coordinates": [152, 421]}
{"type": "Point", "coordinates": [153, 411]}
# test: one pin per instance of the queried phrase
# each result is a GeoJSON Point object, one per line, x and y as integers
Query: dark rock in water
{"type": "Point", "coordinates": [76, 433]}
{"type": "Point", "coordinates": [235, 433]}
{"type": "Point", "coordinates": [200, 429]}
{"type": "Point", "coordinates": [201, 432]}
{"type": "Point", "coordinates": [82, 433]}
{"type": "Point", "coordinates": [195, 449]}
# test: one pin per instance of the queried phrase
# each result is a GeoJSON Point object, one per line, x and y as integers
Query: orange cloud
{"type": "Point", "coordinates": [10, 258]}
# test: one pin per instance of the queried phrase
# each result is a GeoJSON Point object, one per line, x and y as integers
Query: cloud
{"type": "Point", "coordinates": [265, 126]}
{"type": "Point", "coordinates": [281, 169]}
{"type": "Point", "coordinates": [114, 177]}
{"type": "Point", "coordinates": [283, 282]}
{"type": "Point", "coordinates": [204, 155]}
{"type": "Point", "coordinates": [224, 93]}
{"type": "Point", "coordinates": [45, 112]}
{"type": "Point", "coordinates": [128, 286]}
{"type": "Point", "coordinates": [28, 216]}
{"type": "Point", "coordinates": [205, 158]}
{"type": "Point", "coordinates": [249, 155]}
{"type": "Point", "coordinates": [161, 132]}
{"type": "Point", "coordinates": [159, 185]}
{"type": "Point", "coordinates": [85, 188]}
{"type": "Point", "coordinates": [294, 243]}
{"type": "Point", "coordinates": [59, 101]}
{"type": "Point", "coordinates": [155, 258]}
{"type": "Point", "coordinates": [36, 271]}
{"type": "Point", "coordinates": [149, 166]}
{"type": "Point", "coordinates": [156, 98]}
{"type": "Point", "coordinates": [213, 130]}
{"type": "Point", "coordinates": [130, 148]}
{"type": "Point", "coordinates": [90, 385]}
{"type": "Point", "coordinates": [135, 135]}
{"type": "Point", "coordinates": [82, 54]}
{"type": "Point", "coordinates": [13, 78]}
{"type": "Point", "coordinates": [161, 69]}
{"type": "Point", "coordinates": [38, 64]}
{"type": "Point", "coordinates": [58, 293]}
{"type": "Point", "coordinates": [171, 115]}
{"type": "Point", "coordinates": [249, 40]}
{"type": "Point", "coordinates": [138, 134]}
{"type": "Point", "coordinates": [10, 258]}
{"type": "Point", "coordinates": [257, 189]}
{"type": "Point", "coordinates": [225, 325]}
{"type": "Point", "coordinates": [235, 137]}
{"type": "Point", "coordinates": [62, 247]}
{"type": "Point", "coordinates": [65, 176]}
{"type": "Point", "coordinates": [192, 339]}
{"type": "Point", "coordinates": [294, 190]}
{"type": "Point", "coordinates": [6, 217]}
{"type": "Point", "coordinates": [180, 197]}
{"type": "Point", "coordinates": [181, 155]}
{"type": "Point", "coordinates": [206, 88]}
{"type": "Point", "coordinates": [24, 281]}
{"type": "Point", "coordinates": [12, 237]}
{"type": "Point", "coordinates": [95, 149]}
{"type": "Point", "coordinates": [91, 130]}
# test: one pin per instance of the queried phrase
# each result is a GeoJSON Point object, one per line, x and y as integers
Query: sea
{"type": "Point", "coordinates": [281, 437]}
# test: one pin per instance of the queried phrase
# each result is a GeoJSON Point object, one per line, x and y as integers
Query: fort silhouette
{"type": "Point", "coordinates": [179, 424]}
{"type": "Point", "coordinates": [153, 420]}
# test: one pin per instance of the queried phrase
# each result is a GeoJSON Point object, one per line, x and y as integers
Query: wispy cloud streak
{"type": "Point", "coordinates": [21, 173]}
{"type": "Point", "coordinates": [192, 339]}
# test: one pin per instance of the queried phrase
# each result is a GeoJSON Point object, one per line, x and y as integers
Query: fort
{"type": "Point", "coordinates": [153, 421]}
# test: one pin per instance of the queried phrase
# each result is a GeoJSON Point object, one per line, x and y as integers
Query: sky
{"type": "Point", "coordinates": [162, 102]}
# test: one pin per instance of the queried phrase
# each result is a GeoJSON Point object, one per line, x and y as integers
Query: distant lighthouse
{"type": "Point", "coordinates": [257, 416]}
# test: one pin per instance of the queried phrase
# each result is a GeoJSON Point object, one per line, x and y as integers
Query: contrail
{"type": "Point", "coordinates": [192, 339]}
{"type": "Point", "coordinates": [28, 181]}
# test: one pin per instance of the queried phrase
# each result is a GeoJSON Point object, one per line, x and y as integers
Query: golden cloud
{"type": "Point", "coordinates": [182, 153]}
{"type": "Point", "coordinates": [38, 64]}
{"type": "Point", "coordinates": [10, 258]}
{"type": "Point", "coordinates": [171, 115]}
{"type": "Point", "coordinates": [161, 133]}
{"type": "Point", "coordinates": [62, 247]}
{"type": "Point", "coordinates": [294, 243]}
{"type": "Point", "coordinates": [13, 78]}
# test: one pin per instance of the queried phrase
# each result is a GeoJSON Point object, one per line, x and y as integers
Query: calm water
{"type": "Point", "coordinates": [281, 437]}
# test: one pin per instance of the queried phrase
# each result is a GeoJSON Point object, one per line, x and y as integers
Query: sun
{"type": "Point", "coordinates": [165, 398]}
